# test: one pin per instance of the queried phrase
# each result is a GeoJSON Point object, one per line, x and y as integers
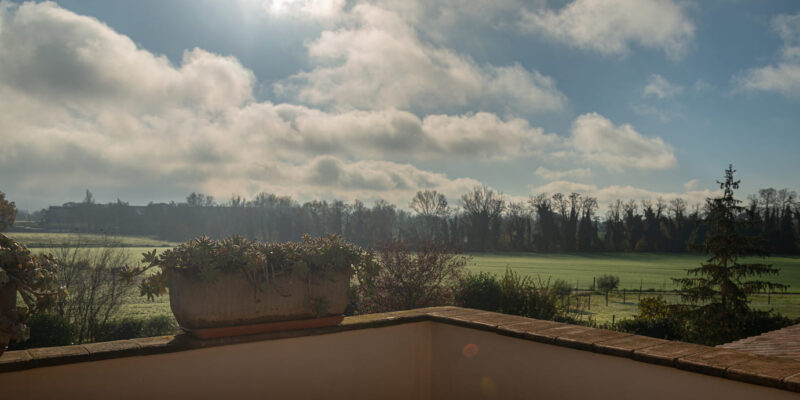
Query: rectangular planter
{"type": "Point", "coordinates": [232, 300]}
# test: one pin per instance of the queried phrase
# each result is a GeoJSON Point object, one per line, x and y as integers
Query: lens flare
{"type": "Point", "coordinates": [470, 350]}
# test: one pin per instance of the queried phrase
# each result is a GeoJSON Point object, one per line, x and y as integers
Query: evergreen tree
{"type": "Point", "coordinates": [8, 212]}
{"type": "Point", "coordinates": [718, 290]}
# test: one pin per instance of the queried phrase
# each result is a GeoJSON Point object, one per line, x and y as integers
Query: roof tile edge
{"type": "Point", "coordinates": [735, 365]}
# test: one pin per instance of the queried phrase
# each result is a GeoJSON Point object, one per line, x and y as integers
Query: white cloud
{"type": "Point", "coordinates": [612, 26]}
{"type": "Point", "coordinates": [391, 134]}
{"type": "Point", "coordinates": [691, 184]}
{"type": "Point", "coordinates": [784, 76]}
{"type": "Point", "coordinates": [314, 9]}
{"type": "Point", "coordinates": [658, 86]}
{"type": "Point", "coordinates": [597, 139]}
{"type": "Point", "coordinates": [607, 194]}
{"type": "Point", "coordinates": [65, 58]}
{"type": "Point", "coordinates": [84, 105]}
{"type": "Point", "coordinates": [379, 62]}
{"type": "Point", "coordinates": [552, 175]}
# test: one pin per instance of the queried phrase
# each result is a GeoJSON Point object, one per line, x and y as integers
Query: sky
{"type": "Point", "coordinates": [336, 99]}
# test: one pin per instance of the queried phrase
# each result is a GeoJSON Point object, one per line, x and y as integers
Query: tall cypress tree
{"type": "Point", "coordinates": [718, 290]}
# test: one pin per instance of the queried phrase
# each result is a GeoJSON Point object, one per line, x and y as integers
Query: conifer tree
{"type": "Point", "coordinates": [718, 290]}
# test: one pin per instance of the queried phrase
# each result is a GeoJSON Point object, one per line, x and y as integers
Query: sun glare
{"type": "Point", "coordinates": [313, 8]}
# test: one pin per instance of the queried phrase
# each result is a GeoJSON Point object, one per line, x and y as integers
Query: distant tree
{"type": "Point", "coordinates": [429, 203]}
{"type": "Point", "coordinates": [88, 198]}
{"type": "Point", "coordinates": [718, 290]}
{"type": "Point", "coordinates": [587, 239]}
{"type": "Point", "coordinates": [546, 230]}
{"type": "Point", "coordinates": [484, 207]}
{"type": "Point", "coordinates": [199, 200]}
{"type": "Point", "coordinates": [517, 227]}
{"type": "Point", "coordinates": [8, 212]}
{"type": "Point", "coordinates": [606, 283]}
{"type": "Point", "coordinates": [432, 208]}
{"type": "Point", "coordinates": [614, 239]}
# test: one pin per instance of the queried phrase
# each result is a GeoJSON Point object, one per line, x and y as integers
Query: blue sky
{"type": "Point", "coordinates": [150, 100]}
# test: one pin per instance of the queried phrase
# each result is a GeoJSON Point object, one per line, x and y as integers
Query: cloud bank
{"type": "Point", "coordinates": [613, 26]}
{"type": "Point", "coordinates": [84, 105]}
{"type": "Point", "coordinates": [782, 77]}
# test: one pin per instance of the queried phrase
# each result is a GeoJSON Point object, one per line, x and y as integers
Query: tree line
{"type": "Point", "coordinates": [484, 220]}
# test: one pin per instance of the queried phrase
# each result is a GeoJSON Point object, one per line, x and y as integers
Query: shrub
{"type": "Point", "coordinates": [657, 319]}
{"type": "Point", "coordinates": [47, 330]}
{"type": "Point", "coordinates": [30, 277]}
{"type": "Point", "coordinates": [125, 328]}
{"type": "Point", "coordinates": [481, 291]}
{"type": "Point", "coordinates": [406, 277]}
{"type": "Point", "coordinates": [561, 287]}
{"type": "Point", "coordinates": [606, 283]}
{"type": "Point", "coordinates": [95, 285]}
{"type": "Point", "coordinates": [512, 294]}
{"type": "Point", "coordinates": [663, 328]}
{"type": "Point", "coordinates": [129, 328]}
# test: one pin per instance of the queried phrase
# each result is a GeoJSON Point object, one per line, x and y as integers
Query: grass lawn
{"type": "Point", "coordinates": [47, 239]}
{"type": "Point", "coordinates": [653, 271]}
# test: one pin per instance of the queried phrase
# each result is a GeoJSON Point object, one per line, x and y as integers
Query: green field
{"type": "Point", "coordinates": [654, 270]}
{"type": "Point", "coordinates": [48, 239]}
{"type": "Point", "coordinates": [651, 271]}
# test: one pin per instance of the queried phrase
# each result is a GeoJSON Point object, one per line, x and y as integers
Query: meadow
{"type": "Point", "coordinates": [653, 271]}
{"type": "Point", "coordinates": [51, 239]}
{"type": "Point", "coordinates": [650, 271]}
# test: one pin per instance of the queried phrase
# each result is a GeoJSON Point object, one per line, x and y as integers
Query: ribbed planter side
{"type": "Point", "coordinates": [8, 309]}
{"type": "Point", "coordinates": [231, 300]}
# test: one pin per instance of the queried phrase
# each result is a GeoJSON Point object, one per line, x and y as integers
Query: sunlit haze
{"type": "Point", "coordinates": [634, 99]}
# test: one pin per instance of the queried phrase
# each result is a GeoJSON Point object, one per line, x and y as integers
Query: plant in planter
{"type": "Point", "coordinates": [251, 285]}
{"type": "Point", "coordinates": [33, 277]}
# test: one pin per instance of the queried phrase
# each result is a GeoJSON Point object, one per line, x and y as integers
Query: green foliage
{"type": "Point", "coordinates": [95, 285]}
{"type": "Point", "coordinates": [512, 294]}
{"type": "Point", "coordinates": [481, 291]}
{"type": "Point", "coordinates": [607, 282]}
{"type": "Point", "coordinates": [261, 263]}
{"type": "Point", "coordinates": [561, 287]}
{"type": "Point", "coordinates": [129, 328]}
{"type": "Point", "coordinates": [656, 318]}
{"type": "Point", "coordinates": [405, 277]}
{"type": "Point", "coordinates": [33, 277]}
{"type": "Point", "coordinates": [47, 329]}
{"type": "Point", "coordinates": [653, 308]}
{"type": "Point", "coordinates": [8, 212]}
{"type": "Point", "coordinates": [718, 290]}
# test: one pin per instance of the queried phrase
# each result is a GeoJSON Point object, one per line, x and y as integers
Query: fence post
{"type": "Point", "coordinates": [612, 320]}
{"type": "Point", "coordinates": [640, 289]}
{"type": "Point", "coordinates": [594, 283]}
{"type": "Point", "coordinates": [590, 301]}
{"type": "Point", "coordinates": [623, 296]}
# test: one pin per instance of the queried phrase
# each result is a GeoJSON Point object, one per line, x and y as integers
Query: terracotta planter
{"type": "Point", "coordinates": [8, 310]}
{"type": "Point", "coordinates": [232, 302]}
